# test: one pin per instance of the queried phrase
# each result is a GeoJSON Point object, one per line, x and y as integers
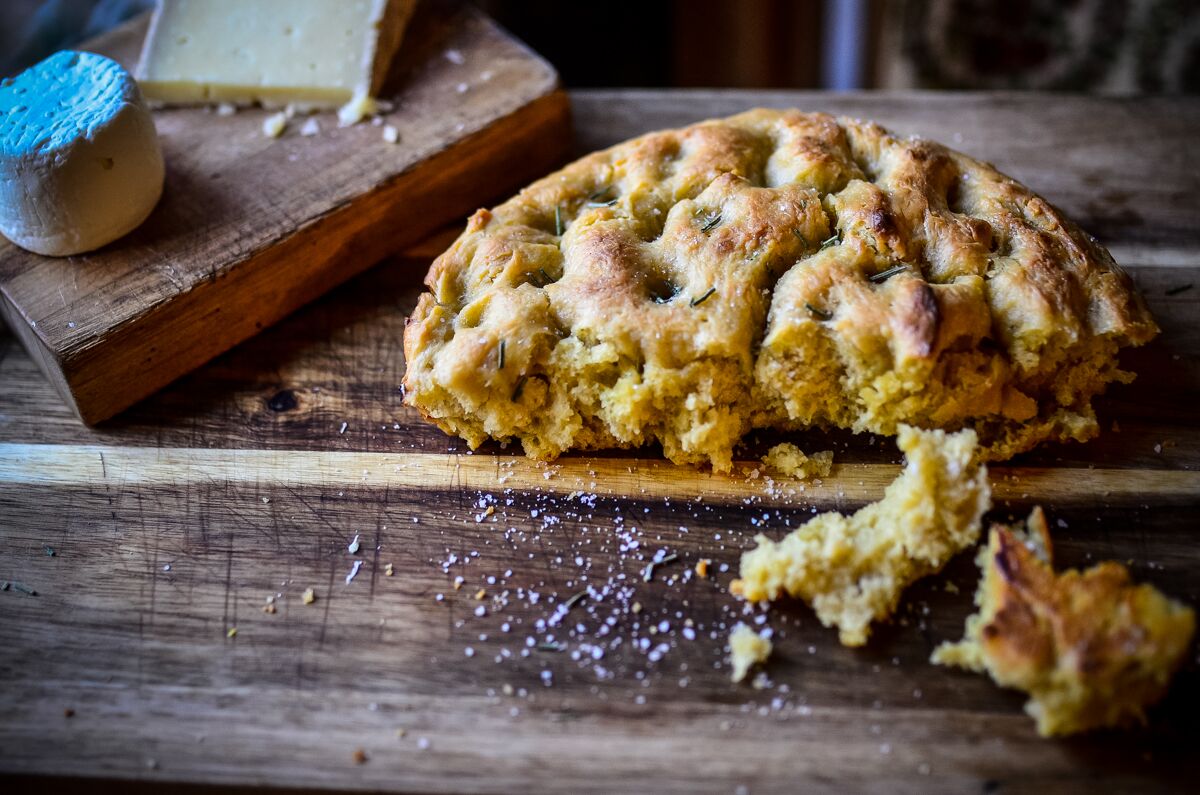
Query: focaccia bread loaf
{"type": "Point", "coordinates": [773, 269]}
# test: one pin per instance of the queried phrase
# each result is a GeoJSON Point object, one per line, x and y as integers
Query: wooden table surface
{"type": "Point", "coordinates": [150, 538]}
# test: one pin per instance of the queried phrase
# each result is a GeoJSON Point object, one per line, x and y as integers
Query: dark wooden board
{"type": "Point", "coordinates": [242, 479]}
{"type": "Point", "coordinates": [250, 227]}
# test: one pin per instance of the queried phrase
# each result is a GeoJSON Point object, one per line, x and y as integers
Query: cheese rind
{"type": "Point", "coordinates": [313, 54]}
{"type": "Point", "coordinates": [80, 163]}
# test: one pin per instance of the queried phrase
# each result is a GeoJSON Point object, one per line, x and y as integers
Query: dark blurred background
{"type": "Point", "coordinates": [1106, 46]}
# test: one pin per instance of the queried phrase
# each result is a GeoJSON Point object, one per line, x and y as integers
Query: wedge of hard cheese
{"type": "Point", "coordinates": [312, 54]}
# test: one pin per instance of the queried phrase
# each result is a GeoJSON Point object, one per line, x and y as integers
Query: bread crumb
{"type": "Point", "coordinates": [788, 459]}
{"type": "Point", "coordinates": [231, 633]}
{"type": "Point", "coordinates": [746, 649]}
{"type": "Point", "coordinates": [309, 596]}
{"type": "Point", "coordinates": [359, 756]}
{"type": "Point", "coordinates": [388, 570]}
{"type": "Point", "coordinates": [702, 567]}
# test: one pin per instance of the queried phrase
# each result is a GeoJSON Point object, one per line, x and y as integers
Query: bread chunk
{"type": "Point", "coordinates": [775, 269]}
{"type": "Point", "coordinates": [853, 569]}
{"type": "Point", "coordinates": [788, 459]}
{"type": "Point", "coordinates": [1090, 648]}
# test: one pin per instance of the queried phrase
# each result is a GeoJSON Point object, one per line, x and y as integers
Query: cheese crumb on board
{"type": "Point", "coordinates": [274, 125]}
{"type": "Point", "coordinates": [788, 459]}
{"type": "Point", "coordinates": [1090, 648]}
{"type": "Point", "coordinates": [746, 649]}
{"type": "Point", "coordinates": [309, 596]}
{"type": "Point", "coordinates": [391, 134]}
{"type": "Point", "coordinates": [357, 109]}
{"type": "Point", "coordinates": [852, 569]}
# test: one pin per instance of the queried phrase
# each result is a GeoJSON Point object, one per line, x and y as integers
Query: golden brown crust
{"type": "Point", "coordinates": [1091, 648]}
{"type": "Point", "coordinates": [772, 269]}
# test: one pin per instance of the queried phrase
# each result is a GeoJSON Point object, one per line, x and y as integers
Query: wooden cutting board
{"type": "Point", "coordinates": [250, 227]}
{"type": "Point", "coordinates": [250, 478]}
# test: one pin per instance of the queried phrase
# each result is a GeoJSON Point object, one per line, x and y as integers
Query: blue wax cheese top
{"type": "Point", "coordinates": [64, 98]}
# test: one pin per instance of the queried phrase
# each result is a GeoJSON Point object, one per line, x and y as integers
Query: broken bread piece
{"type": "Point", "coordinates": [788, 459]}
{"type": "Point", "coordinates": [747, 648]}
{"type": "Point", "coordinates": [1090, 648]}
{"type": "Point", "coordinates": [852, 569]}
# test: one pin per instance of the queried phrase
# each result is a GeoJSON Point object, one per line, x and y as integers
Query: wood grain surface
{"type": "Point", "coordinates": [252, 227]}
{"type": "Point", "coordinates": [173, 523]}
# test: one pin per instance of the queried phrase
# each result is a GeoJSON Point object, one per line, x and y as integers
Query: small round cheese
{"type": "Point", "coordinates": [80, 163]}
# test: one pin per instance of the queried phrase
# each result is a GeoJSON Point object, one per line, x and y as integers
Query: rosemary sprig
{"type": "Point", "coordinates": [558, 227]}
{"type": "Point", "coordinates": [545, 276]}
{"type": "Point", "coordinates": [819, 314]}
{"type": "Point", "coordinates": [597, 199]}
{"type": "Point", "coordinates": [703, 298]}
{"type": "Point", "coordinates": [503, 344]}
{"type": "Point", "coordinates": [552, 647]}
{"type": "Point", "coordinates": [23, 588]}
{"type": "Point", "coordinates": [516, 394]}
{"type": "Point", "coordinates": [1183, 288]}
{"type": "Point", "coordinates": [831, 241]}
{"type": "Point", "coordinates": [648, 572]}
{"type": "Point", "coordinates": [711, 223]}
{"type": "Point", "coordinates": [574, 600]}
{"type": "Point", "coordinates": [884, 275]}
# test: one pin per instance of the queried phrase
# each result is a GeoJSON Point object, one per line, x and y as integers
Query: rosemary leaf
{"type": "Point", "coordinates": [574, 600]}
{"type": "Point", "coordinates": [884, 275]}
{"type": "Point", "coordinates": [711, 223]}
{"type": "Point", "coordinates": [545, 276]}
{"type": "Point", "coordinates": [600, 198]}
{"type": "Point", "coordinates": [552, 647]}
{"type": "Point", "coordinates": [832, 241]}
{"type": "Point", "coordinates": [1183, 288]}
{"type": "Point", "coordinates": [516, 394]}
{"type": "Point", "coordinates": [558, 227]}
{"type": "Point", "coordinates": [502, 346]}
{"type": "Point", "coordinates": [819, 314]}
{"type": "Point", "coordinates": [703, 298]}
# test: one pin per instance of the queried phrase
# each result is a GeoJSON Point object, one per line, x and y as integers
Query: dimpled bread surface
{"type": "Point", "coordinates": [772, 269]}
